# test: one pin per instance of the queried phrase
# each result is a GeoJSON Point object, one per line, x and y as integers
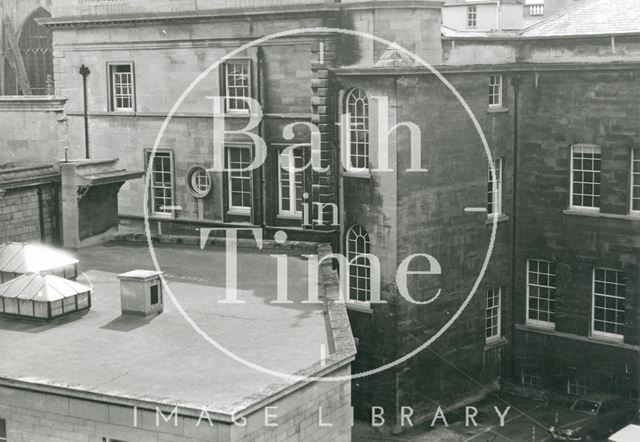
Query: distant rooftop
{"type": "Point", "coordinates": [590, 18]}
{"type": "Point", "coordinates": [162, 359]}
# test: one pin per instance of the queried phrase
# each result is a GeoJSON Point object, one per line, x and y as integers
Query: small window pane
{"type": "Point", "coordinates": [541, 291]}
{"type": "Point", "coordinates": [585, 183]}
{"type": "Point", "coordinates": [237, 85]}
{"type": "Point", "coordinates": [162, 184]}
{"type": "Point", "coordinates": [122, 87]}
{"type": "Point", "coordinates": [239, 179]}
{"type": "Point", "coordinates": [358, 244]}
{"type": "Point", "coordinates": [608, 302]}
{"type": "Point", "coordinates": [493, 313]}
{"type": "Point", "coordinates": [357, 105]}
{"type": "Point", "coordinates": [635, 180]}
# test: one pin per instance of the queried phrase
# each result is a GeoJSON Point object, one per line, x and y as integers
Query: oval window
{"type": "Point", "coordinates": [199, 182]}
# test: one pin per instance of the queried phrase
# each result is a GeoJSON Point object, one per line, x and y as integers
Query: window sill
{"type": "Point", "coordinates": [289, 217]}
{"type": "Point", "coordinates": [365, 174]}
{"type": "Point", "coordinates": [615, 339]}
{"type": "Point", "coordinates": [598, 214]}
{"type": "Point", "coordinates": [587, 339]}
{"type": "Point", "coordinates": [239, 212]}
{"type": "Point", "coordinates": [542, 326]}
{"type": "Point", "coordinates": [501, 219]}
{"type": "Point", "coordinates": [127, 112]}
{"type": "Point", "coordinates": [497, 110]}
{"type": "Point", "coordinates": [362, 307]}
{"type": "Point", "coordinates": [497, 342]}
{"type": "Point", "coordinates": [163, 216]}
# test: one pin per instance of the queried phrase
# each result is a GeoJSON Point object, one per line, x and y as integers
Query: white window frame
{"type": "Point", "coordinates": [600, 333]}
{"type": "Point", "coordinates": [536, 10]}
{"type": "Point", "coordinates": [635, 180]}
{"type": "Point", "coordinates": [493, 330]}
{"type": "Point", "coordinates": [238, 210]}
{"type": "Point", "coordinates": [115, 80]}
{"type": "Point", "coordinates": [528, 379]}
{"type": "Point", "coordinates": [199, 182]}
{"type": "Point", "coordinates": [576, 386]}
{"type": "Point", "coordinates": [472, 16]}
{"type": "Point", "coordinates": [586, 149]}
{"type": "Point", "coordinates": [551, 288]}
{"type": "Point", "coordinates": [292, 184]}
{"type": "Point", "coordinates": [232, 104]}
{"type": "Point", "coordinates": [353, 234]}
{"type": "Point", "coordinates": [170, 211]}
{"type": "Point", "coordinates": [358, 147]}
{"type": "Point", "coordinates": [495, 91]}
{"type": "Point", "coordinates": [494, 188]}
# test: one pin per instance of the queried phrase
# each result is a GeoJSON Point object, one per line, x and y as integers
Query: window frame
{"type": "Point", "coordinates": [193, 185]}
{"type": "Point", "coordinates": [495, 195]}
{"type": "Point", "coordinates": [579, 384]}
{"type": "Point", "coordinates": [293, 211]}
{"type": "Point", "coordinates": [357, 120]}
{"type": "Point", "coordinates": [496, 94]}
{"type": "Point", "coordinates": [493, 312]}
{"type": "Point", "coordinates": [362, 233]}
{"type": "Point", "coordinates": [229, 177]}
{"type": "Point", "coordinates": [472, 16]}
{"type": "Point", "coordinates": [536, 10]}
{"type": "Point", "coordinates": [550, 312]}
{"type": "Point", "coordinates": [225, 86]}
{"type": "Point", "coordinates": [152, 191]}
{"type": "Point", "coordinates": [635, 181]}
{"type": "Point", "coordinates": [111, 86]}
{"type": "Point", "coordinates": [535, 380]}
{"type": "Point", "coordinates": [596, 151]}
{"type": "Point", "coordinates": [603, 334]}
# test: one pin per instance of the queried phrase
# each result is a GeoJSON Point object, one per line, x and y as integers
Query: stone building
{"type": "Point", "coordinates": [556, 305]}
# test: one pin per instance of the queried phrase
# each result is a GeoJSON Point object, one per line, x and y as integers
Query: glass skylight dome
{"type": "Point", "coordinates": [43, 296]}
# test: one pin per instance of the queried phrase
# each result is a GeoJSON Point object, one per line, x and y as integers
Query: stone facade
{"type": "Point", "coordinates": [603, 111]}
{"type": "Point", "coordinates": [571, 91]}
{"type": "Point", "coordinates": [39, 416]}
{"type": "Point", "coordinates": [29, 213]}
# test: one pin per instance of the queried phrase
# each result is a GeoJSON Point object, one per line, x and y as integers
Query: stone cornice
{"type": "Point", "coordinates": [188, 17]}
{"type": "Point", "coordinates": [231, 13]}
{"type": "Point", "coordinates": [32, 103]}
{"type": "Point", "coordinates": [504, 68]}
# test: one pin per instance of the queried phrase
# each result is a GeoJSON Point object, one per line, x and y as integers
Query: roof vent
{"type": "Point", "coordinates": [43, 297]}
{"type": "Point", "coordinates": [141, 293]}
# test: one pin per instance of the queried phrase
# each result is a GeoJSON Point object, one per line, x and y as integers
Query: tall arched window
{"type": "Point", "coordinates": [37, 52]}
{"type": "Point", "coordinates": [357, 105]}
{"type": "Point", "coordinates": [358, 246]}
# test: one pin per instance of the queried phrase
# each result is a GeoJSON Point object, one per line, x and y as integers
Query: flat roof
{"type": "Point", "coordinates": [162, 359]}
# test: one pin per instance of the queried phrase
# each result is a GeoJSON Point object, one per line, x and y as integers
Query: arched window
{"type": "Point", "coordinates": [357, 105]}
{"type": "Point", "coordinates": [358, 244]}
{"type": "Point", "coordinates": [36, 48]}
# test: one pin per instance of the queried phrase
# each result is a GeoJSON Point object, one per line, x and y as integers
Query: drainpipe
{"type": "Point", "coordinates": [84, 71]}
{"type": "Point", "coordinates": [262, 98]}
{"type": "Point", "coordinates": [41, 214]}
{"type": "Point", "coordinates": [515, 83]}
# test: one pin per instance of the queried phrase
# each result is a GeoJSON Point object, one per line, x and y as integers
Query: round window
{"type": "Point", "coordinates": [199, 182]}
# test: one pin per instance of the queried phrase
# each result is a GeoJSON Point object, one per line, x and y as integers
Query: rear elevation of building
{"type": "Point", "coordinates": [554, 303]}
